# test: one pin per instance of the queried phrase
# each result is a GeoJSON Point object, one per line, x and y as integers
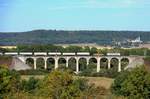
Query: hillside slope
{"type": "Point", "coordinates": [61, 37]}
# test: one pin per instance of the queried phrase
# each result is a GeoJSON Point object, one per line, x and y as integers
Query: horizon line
{"type": "Point", "coordinates": [73, 30]}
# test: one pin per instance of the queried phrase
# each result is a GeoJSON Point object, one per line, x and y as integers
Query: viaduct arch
{"type": "Point", "coordinates": [77, 59]}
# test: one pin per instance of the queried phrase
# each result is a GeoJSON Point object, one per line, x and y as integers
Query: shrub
{"type": "Point", "coordinates": [134, 84]}
{"type": "Point", "coordinates": [59, 85]}
{"type": "Point", "coordinates": [30, 85]}
{"type": "Point", "coordinates": [62, 85]}
{"type": "Point", "coordinates": [86, 72]}
{"type": "Point", "coordinates": [9, 82]}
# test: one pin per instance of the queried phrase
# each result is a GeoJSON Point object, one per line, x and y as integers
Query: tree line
{"type": "Point", "coordinates": [92, 50]}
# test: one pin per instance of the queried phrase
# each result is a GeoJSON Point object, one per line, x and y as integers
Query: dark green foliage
{"type": "Point", "coordinates": [86, 72]}
{"type": "Point", "coordinates": [38, 47]}
{"type": "Point", "coordinates": [93, 50]}
{"type": "Point", "coordinates": [9, 82]}
{"type": "Point", "coordinates": [134, 84]}
{"type": "Point", "coordinates": [116, 87]}
{"type": "Point", "coordinates": [73, 49]}
{"type": "Point", "coordinates": [53, 48]}
{"type": "Point", "coordinates": [30, 85]}
{"type": "Point", "coordinates": [87, 49]}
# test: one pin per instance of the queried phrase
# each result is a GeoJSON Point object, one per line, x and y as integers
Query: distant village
{"type": "Point", "coordinates": [131, 43]}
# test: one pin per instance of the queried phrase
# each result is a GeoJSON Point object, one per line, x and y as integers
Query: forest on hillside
{"type": "Point", "coordinates": [69, 37]}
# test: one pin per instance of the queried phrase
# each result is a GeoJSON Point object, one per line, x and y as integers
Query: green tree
{"type": "Point", "coordinates": [93, 50]}
{"type": "Point", "coordinates": [59, 85]}
{"type": "Point", "coordinates": [87, 49]}
{"type": "Point", "coordinates": [73, 49]}
{"type": "Point", "coordinates": [134, 84]}
{"type": "Point", "coordinates": [29, 85]}
{"type": "Point", "coordinates": [9, 82]}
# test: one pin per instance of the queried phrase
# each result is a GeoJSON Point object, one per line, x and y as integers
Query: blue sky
{"type": "Point", "coordinates": [26, 15]}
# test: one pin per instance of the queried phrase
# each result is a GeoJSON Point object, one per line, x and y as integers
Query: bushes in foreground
{"type": "Point", "coordinates": [62, 85]}
{"type": "Point", "coordinates": [59, 85]}
{"type": "Point", "coordinates": [133, 84]}
{"type": "Point", "coordinates": [56, 85]}
{"type": "Point", "coordinates": [9, 82]}
{"type": "Point", "coordinates": [30, 85]}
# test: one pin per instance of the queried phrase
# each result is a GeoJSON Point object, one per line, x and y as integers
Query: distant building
{"type": "Point", "coordinates": [129, 43]}
{"type": "Point", "coordinates": [135, 42]}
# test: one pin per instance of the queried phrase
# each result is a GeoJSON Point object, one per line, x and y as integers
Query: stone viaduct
{"type": "Point", "coordinates": [77, 58]}
{"type": "Point", "coordinates": [24, 56]}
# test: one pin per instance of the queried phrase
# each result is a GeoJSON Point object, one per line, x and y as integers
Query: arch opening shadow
{"type": "Point", "coordinates": [40, 62]}
{"type": "Point", "coordinates": [72, 64]}
{"type": "Point", "coordinates": [50, 64]}
{"type": "Point", "coordinates": [124, 63]}
{"type": "Point", "coordinates": [92, 64]}
{"type": "Point", "coordinates": [30, 62]}
{"type": "Point", "coordinates": [104, 63]}
{"type": "Point", "coordinates": [61, 63]}
{"type": "Point", "coordinates": [82, 64]}
{"type": "Point", "coordinates": [114, 62]}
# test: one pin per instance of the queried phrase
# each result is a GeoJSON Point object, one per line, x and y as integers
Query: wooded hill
{"type": "Point", "coordinates": [69, 37]}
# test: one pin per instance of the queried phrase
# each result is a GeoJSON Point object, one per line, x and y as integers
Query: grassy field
{"type": "Point", "coordinates": [100, 81]}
